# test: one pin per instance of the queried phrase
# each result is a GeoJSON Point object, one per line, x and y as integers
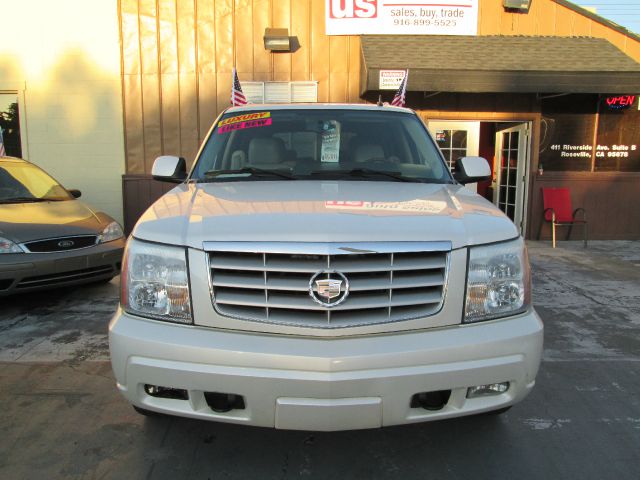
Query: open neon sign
{"type": "Point", "coordinates": [621, 101]}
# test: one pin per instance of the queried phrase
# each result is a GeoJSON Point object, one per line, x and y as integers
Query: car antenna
{"type": "Point", "coordinates": [380, 104]}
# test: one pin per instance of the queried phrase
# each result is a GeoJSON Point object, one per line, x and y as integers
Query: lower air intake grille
{"type": "Point", "coordinates": [52, 280]}
{"type": "Point", "coordinates": [328, 285]}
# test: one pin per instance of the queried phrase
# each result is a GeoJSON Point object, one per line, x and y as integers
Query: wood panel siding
{"type": "Point", "coordinates": [178, 55]}
{"type": "Point", "coordinates": [140, 191]}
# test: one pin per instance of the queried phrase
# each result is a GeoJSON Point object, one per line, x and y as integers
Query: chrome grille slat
{"type": "Point", "coordinates": [387, 284]}
{"type": "Point", "coordinates": [395, 282]}
{"type": "Point", "coordinates": [374, 267]}
{"type": "Point", "coordinates": [381, 300]}
{"type": "Point", "coordinates": [284, 284]}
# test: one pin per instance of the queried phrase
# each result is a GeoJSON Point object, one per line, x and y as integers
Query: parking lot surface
{"type": "Point", "coordinates": [62, 416]}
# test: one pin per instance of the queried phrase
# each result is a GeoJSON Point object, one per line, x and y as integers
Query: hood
{"type": "Point", "coordinates": [25, 222]}
{"type": "Point", "coordinates": [322, 211]}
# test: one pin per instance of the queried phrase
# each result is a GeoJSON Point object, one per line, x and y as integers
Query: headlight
{"type": "Point", "coordinates": [7, 246]}
{"type": "Point", "coordinates": [113, 231]}
{"type": "Point", "coordinates": [155, 282]}
{"type": "Point", "coordinates": [498, 281]}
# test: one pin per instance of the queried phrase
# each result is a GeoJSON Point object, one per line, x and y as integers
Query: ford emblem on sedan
{"type": "Point", "coordinates": [66, 243]}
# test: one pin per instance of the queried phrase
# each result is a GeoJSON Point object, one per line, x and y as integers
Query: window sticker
{"type": "Point", "coordinates": [330, 147]}
{"type": "Point", "coordinates": [253, 122]}
{"type": "Point", "coordinates": [244, 118]}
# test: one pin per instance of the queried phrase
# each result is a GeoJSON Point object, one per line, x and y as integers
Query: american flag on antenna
{"type": "Point", "coordinates": [237, 97]}
{"type": "Point", "coordinates": [398, 100]}
{"type": "Point", "coordinates": [3, 152]}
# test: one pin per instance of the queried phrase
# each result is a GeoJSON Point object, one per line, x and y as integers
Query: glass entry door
{"type": "Point", "coordinates": [511, 173]}
{"type": "Point", "coordinates": [456, 140]}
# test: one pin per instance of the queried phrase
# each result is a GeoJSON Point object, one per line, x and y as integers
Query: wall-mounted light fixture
{"type": "Point", "coordinates": [521, 6]}
{"type": "Point", "coordinates": [277, 39]}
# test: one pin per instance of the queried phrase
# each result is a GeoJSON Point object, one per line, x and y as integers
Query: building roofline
{"type": "Point", "coordinates": [597, 18]}
{"type": "Point", "coordinates": [251, 107]}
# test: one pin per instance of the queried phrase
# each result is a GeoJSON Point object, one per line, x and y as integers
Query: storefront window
{"type": "Point", "coordinates": [598, 133]}
{"type": "Point", "coordinates": [566, 132]}
{"type": "Point", "coordinates": [618, 139]}
{"type": "Point", "coordinates": [10, 124]}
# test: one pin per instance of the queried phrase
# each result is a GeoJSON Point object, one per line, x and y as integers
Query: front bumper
{"type": "Point", "coordinates": [27, 272]}
{"type": "Point", "coordinates": [324, 384]}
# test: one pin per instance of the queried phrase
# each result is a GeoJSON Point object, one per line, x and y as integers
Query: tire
{"type": "Point", "coordinates": [148, 413]}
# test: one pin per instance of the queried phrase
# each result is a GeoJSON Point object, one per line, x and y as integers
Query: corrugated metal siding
{"type": "Point", "coordinates": [177, 58]}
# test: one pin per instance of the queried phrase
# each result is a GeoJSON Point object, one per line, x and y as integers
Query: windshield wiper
{"type": "Point", "coordinates": [24, 200]}
{"type": "Point", "coordinates": [248, 170]}
{"type": "Point", "coordinates": [368, 172]}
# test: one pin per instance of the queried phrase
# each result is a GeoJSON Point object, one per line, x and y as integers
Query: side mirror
{"type": "Point", "coordinates": [75, 193]}
{"type": "Point", "coordinates": [169, 168]}
{"type": "Point", "coordinates": [471, 170]}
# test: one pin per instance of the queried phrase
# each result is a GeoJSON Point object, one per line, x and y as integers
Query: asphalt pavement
{"type": "Point", "coordinates": [63, 418]}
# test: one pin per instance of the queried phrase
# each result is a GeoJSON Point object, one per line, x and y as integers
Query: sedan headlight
{"type": "Point", "coordinates": [155, 283]}
{"type": "Point", "coordinates": [498, 281]}
{"type": "Point", "coordinates": [113, 231]}
{"type": "Point", "coordinates": [7, 246]}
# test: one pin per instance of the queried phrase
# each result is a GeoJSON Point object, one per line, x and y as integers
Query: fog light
{"type": "Point", "coordinates": [487, 390]}
{"type": "Point", "coordinates": [166, 392]}
{"type": "Point", "coordinates": [224, 402]}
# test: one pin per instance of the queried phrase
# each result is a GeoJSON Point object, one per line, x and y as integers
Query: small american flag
{"type": "Point", "coordinates": [398, 100]}
{"type": "Point", "coordinates": [237, 97]}
{"type": "Point", "coordinates": [3, 152]}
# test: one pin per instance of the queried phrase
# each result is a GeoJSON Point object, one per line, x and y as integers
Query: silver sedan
{"type": "Point", "coordinates": [48, 238]}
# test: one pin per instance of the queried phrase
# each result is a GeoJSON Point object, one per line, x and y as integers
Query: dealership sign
{"type": "Point", "coordinates": [401, 17]}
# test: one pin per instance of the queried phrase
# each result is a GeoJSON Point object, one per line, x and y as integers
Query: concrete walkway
{"type": "Point", "coordinates": [63, 418]}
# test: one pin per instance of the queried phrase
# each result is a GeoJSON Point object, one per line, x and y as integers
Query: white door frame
{"type": "Point", "coordinates": [522, 172]}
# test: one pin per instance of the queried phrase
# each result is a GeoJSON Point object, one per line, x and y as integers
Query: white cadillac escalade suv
{"type": "Point", "coordinates": [319, 268]}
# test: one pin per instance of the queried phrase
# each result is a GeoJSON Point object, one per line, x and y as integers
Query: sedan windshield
{"type": "Point", "coordinates": [340, 144]}
{"type": "Point", "coordinates": [24, 183]}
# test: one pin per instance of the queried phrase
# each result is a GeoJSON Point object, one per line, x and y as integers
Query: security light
{"type": "Point", "coordinates": [517, 5]}
{"type": "Point", "coordinates": [277, 39]}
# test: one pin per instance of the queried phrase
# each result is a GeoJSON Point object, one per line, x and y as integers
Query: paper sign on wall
{"type": "Point", "coordinates": [391, 79]}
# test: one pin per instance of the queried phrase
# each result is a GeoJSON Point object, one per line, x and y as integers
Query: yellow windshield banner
{"type": "Point", "coordinates": [244, 118]}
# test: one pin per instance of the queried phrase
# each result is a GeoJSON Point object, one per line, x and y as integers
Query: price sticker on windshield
{"type": "Point", "coordinates": [330, 146]}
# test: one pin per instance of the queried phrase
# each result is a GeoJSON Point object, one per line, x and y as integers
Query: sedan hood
{"type": "Point", "coordinates": [322, 211]}
{"type": "Point", "coordinates": [25, 222]}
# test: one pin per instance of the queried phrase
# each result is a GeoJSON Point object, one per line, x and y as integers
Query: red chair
{"type": "Point", "coordinates": [557, 210]}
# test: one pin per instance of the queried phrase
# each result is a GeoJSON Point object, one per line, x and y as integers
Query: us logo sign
{"type": "Point", "coordinates": [353, 8]}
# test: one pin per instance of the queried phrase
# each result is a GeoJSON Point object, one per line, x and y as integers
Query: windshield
{"type": "Point", "coordinates": [22, 183]}
{"type": "Point", "coordinates": [309, 144]}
